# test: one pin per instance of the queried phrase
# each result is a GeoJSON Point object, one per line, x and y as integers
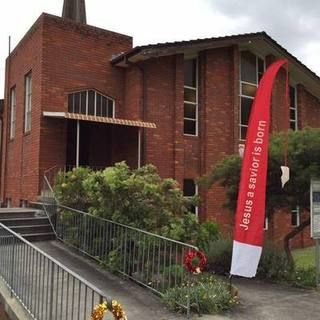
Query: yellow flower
{"type": "Point", "coordinates": [117, 311]}
{"type": "Point", "coordinates": [99, 311]}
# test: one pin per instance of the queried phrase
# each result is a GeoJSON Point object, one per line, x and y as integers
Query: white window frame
{"type": "Point", "coordinates": [196, 104]}
{"type": "Point", "coordinates": [295, 108]}
{"type": "Point", "coordinates": [245, 82]}
{"type": "Point", "coordinates": [28, 102]}
{"type": "Point", "coordinates": [13, 108]}
{"type": "Point", "coordinates": [266, 224]}
{"type": "Point", "coordinates": [95, 102]}
{"type": "Point", "coordinates": [297, 212]}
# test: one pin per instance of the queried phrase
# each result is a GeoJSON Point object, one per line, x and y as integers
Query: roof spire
{"type": "Point", "coordinates": [75, 10]}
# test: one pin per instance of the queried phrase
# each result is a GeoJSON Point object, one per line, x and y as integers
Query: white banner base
{"type": "Point", "coordinates": [245, 259]}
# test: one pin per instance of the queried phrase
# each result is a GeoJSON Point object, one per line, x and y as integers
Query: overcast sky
{"type": "Point", "coordinates": [295, 24]}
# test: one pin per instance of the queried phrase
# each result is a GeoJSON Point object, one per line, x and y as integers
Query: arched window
{"type": "Point", "coordinates": [92, 103]}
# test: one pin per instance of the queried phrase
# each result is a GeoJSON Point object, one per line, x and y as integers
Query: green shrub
{"type": "Point", "coordinates": [209, 293]}
{"type": "Point", "coordinates": [274, 264]}
{"type": "Point", "coordinates": [69, 188]}
{"type": "Point", "coordinates": [305, 277]}
{"type": "Point", "coordinates": [207, 233]}
{"type": "Point", "coordinates": [219, 253]}
{"type": "Point", "coordinates": [138, 198]}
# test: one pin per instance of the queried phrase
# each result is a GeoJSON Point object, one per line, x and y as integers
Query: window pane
{"type": "Point", "coordinates": [292, 114]}
{"type": "Point", "coordinates": [98, 104]}
{"type": "Point", "coordinates": [190, 127]}
{"type": "Point", "coordinates": [83, 102]}
{"type": "Point", "coordinates": [292, 96]}
{"type": "Point", "coordinates": [110, 108]}
{"type": "Point", "coordinates": [12, 113]}
{"type": "Point", "coordinates": [248, 89]}
{"type": "Point", "coordinates": [246, 104]}
{"type": "Point", "coordinates": [70, 103]}
{"type": "Point", "coordinates": [248, 67]}
{"type": "Point", "coordinates": [243, 132]}
{"type": "Point", "coordinates": [189, 188]}
{"type": "Point", "coordinates": [260, 69]}
{"type": "Point", "coordinates": [293, 125]}
{"type": "Point", "coordinates": [91, 95]}
{"type": "Point", "coordinates": [104, 107]}
{"type": "Point", "coordinates": [76, 102]}
{"type": "Point", "coordinates": [295, 217]}
{"type": "Point", "coordinates": [260, 66]}
{"type": "Point", "coordinates": [190, 78]}
{"type": "Point", "coordinates": [190, 95]}
{"type": "Point", "coordinates": [189, 111]}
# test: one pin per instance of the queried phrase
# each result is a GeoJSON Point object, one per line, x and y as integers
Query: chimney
{"type": "Point", "coordinates": [75, 10]}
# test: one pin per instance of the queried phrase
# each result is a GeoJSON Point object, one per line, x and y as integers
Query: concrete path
{"type": "Point", "coordinates": [258, 300]}
{"type": "Point", "coordinates": [138, 302]}
{"type": "Point", "coordinates": [266, 301]}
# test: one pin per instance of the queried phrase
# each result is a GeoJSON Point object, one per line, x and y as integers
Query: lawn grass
{"type": "Point", "coordinates": [304, 258]}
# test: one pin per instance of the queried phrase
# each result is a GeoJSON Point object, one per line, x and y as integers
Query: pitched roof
{"type": "Point", "coordinates": [145, 52]}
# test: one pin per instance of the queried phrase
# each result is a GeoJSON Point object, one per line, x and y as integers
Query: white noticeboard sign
{"type": "Point", "coordinates": [315, 208]}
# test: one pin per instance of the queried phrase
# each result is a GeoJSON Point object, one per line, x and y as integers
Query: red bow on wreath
{"type": "Point", "coordinates": [195, 261]}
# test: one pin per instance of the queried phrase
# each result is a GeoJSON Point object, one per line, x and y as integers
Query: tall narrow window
{"type": "Point", "coordinates": [293, 108]}
{"type": "Point", "coordinates": [190, 189]}
{"type": "Point", "coordinates": [27, 102]}
{"type": "Point", "coordinates": [252, 69]}
{"type": "Point", "coordinates": [13, 105]}
{"type": "Point", "coordinates": [191, 97]}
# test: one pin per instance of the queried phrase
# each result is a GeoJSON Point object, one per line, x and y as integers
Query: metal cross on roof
{"type": "Point", "coordinates": [75, 10]}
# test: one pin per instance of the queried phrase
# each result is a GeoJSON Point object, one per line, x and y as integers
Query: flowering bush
{"type": "Point", "coordinates": [207, 293]}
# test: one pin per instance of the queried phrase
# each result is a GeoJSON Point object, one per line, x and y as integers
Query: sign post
{"type": "Point", "coordinates": [315, 222]}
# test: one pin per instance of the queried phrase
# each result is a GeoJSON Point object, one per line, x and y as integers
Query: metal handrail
{"type": "Point", "coordinates": [40, 282]}
{"type": "Point", "coordinates": [152, 260]}
{"type": "Point", "coordinates": [129, 227]}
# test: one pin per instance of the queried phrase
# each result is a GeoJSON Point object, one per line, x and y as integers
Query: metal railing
{"type": "Point", "coordinates": [151, 260]}
{"type": "Point", "coordinates": [46, 289]}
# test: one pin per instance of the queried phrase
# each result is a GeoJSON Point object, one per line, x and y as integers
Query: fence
{"type": "Point", "coordinates": [46, 289]}
{"type": "Point", "coordinates": [149, 259]}
{"type": "Point", "coordinates": [153, 261]}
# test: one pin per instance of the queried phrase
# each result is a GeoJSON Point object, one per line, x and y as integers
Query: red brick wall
{"type": "Point", "coordinates": [280, 225]}
{"type": "Point", "coordinates": [66, 56]}
{"type": "Point", "coordinates": [160, 98]}
{"type": "Point", "coordinates": [63, 56]}
{"type": "Point", "coordinates": [217, 107]}
{"type": "Point", "coordinates": [75, 57]}
{"type": "Point", "coordinates": [20, 158]}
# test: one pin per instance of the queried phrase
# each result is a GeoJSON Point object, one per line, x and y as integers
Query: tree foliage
{"type": "Point", "coordinates": [137, 198]}
{"type": "Point", "coordinates": [304, 163]}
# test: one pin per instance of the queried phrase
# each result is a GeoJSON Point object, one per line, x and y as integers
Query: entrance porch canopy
{"type": "Point", "coordinates": [102, 120]}
{"type": "Point", "coordinates": [83, 117]}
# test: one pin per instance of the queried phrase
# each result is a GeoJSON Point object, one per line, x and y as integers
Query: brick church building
{"type": "Point", "coordinates": [80, 95]}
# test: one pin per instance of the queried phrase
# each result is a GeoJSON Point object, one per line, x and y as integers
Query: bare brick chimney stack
{"type": "Point", "coordinates": [75, 10]}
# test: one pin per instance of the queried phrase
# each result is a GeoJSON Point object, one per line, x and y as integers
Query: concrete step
{"type": "Point", "coordinates": [23, 230]}
{"type": "Point", "coordinates": [12, 213]}
{"type": "Point", "coordinates": [39, 236]}
{"type": "Point", "coordinates": [31, 224]}
{"type": "Point", "coordinates": [24, 221]}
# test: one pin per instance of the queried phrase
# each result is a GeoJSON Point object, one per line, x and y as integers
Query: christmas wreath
{"type": "Point", "coordinates": [116, 310]}
{"type": "Point", "coordinates": [195, 261]}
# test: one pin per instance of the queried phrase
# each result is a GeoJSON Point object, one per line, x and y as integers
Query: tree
{"type": "Point", "coordinates": [304, 163]}
{"type": "Point", "coordinates": [138, 198]}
